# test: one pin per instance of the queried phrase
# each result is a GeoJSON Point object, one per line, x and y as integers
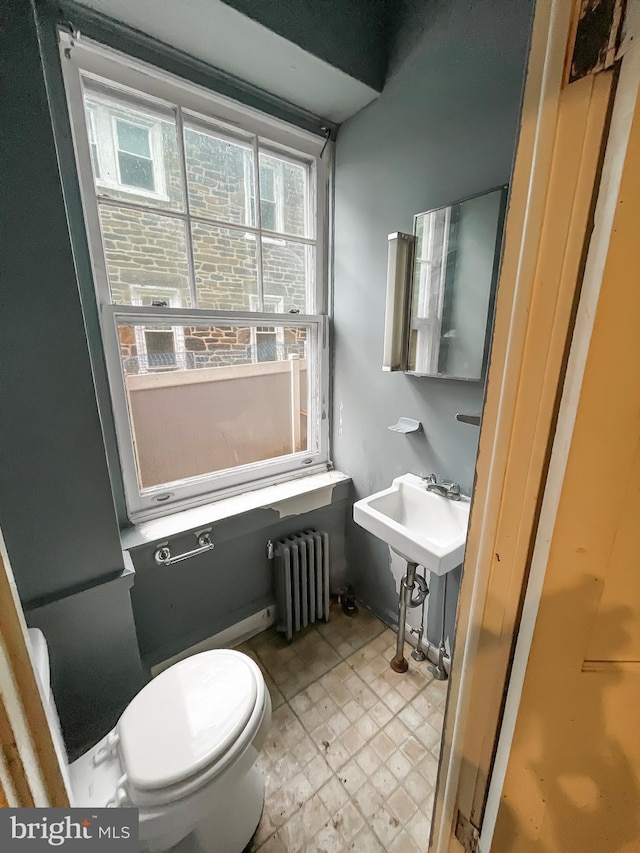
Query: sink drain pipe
{"type": "Point", "coordinates": [407, 599]}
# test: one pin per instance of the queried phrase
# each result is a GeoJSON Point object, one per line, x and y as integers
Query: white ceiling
{"type": "Point", "coordinates": [225, 38]}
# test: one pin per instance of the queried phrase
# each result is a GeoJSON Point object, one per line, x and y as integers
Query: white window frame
{"type": "Point", "coordinates": [278, 201]}
{"type": "Point", "coordinates": [173, 298]}
{"type": "Point", "coordinates": [105, 116]}
{"type": "Point", "coordinates": [91, 126]}
{"type": "Point", "coordinates": [115, 120]}
{"type": "Point", "coordinates": [279, 330]}
{"type": "Point", "coordinates": [89, 59]}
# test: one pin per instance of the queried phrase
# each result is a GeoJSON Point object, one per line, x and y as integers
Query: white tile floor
{"type": "Point", "coordinates": [352, 757]}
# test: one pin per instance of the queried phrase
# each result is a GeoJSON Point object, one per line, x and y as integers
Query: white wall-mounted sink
{"type": "Point", "coordinates": [420, 526]}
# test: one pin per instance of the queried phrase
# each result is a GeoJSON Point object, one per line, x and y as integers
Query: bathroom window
{"type": "Point", "coordinates": [93, 140]}
{"type": "Point", "coordinates": [127, 147]}
{"type": "Point", "coordinates": [268, 341]}
{"type": "Point", "coordinates": [135, 163]}
{"type": "Point", "coordinates": [207, 233]}
{"type": "Point", "coordinates": [155, 349]}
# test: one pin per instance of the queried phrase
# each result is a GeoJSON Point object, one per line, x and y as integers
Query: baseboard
{"type": "Point", "coordinates": [227, 639]}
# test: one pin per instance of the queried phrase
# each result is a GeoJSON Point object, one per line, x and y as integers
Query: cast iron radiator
{"type": "Point", "coordinates": [302, 580]}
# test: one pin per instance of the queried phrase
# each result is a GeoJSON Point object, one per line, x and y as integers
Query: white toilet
{"type": "Point", "coordinates": [183, 752]}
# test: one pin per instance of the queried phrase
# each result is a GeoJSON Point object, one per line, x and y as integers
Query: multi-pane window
{"type": "Point", "coordinates": [202, 229]}
{"type": "Point", "coordinates": [155, 348]}
{"type": "Point", "coordinates": [268, 341]}
{"type": "Point", "coordinates": [126, 146]}
{"type": "Point", "coordinates": [429, 289]}
{"type": "Point", "coordinates": [270, 198]}
{"type": "Point", "coordinates": [93, 141]}
{"type": "Point", "coordinates": [135, 163]}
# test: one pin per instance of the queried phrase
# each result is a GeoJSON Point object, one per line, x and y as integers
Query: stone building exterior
{"type": "Point", "coordinates": [147, 252]}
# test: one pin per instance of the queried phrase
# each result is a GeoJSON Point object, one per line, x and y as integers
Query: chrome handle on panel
{"type": "Point", "coordinates": [163, 556]}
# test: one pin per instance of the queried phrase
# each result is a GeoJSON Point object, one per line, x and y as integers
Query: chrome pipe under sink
{"type": "Point", "coordinates": [407, 599]}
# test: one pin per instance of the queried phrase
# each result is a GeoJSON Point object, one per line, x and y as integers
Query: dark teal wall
{"type": "Point", "coordinates": [56, 509]}
{"type": "Point", "coordinates": [178, 606]}
{"type": "Point", "coordinates": [95, 663]}
{"type": "Point", "coordinates": [350, 34]}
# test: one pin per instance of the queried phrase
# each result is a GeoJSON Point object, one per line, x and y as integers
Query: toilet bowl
{"type": "Point", "coordinates": [183, 752]}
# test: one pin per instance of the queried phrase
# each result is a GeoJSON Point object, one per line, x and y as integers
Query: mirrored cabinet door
{"type": "Point", "coordinates": [457, 254]}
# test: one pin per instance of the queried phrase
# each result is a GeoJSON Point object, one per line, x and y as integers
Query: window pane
{"type": "Point", "coordinates": [226, 268]}
{"type": "Point", "coordinates": [145, 253]}
{"type": "Point", "coordinates": [287, 269]}
{"type": "Point", "coordinates": [136, 171]}
{"type": "Point", "coordinates": [286, 185]}
{"type": "Point", "coordinates": [422, 247]}
{"type": "Point", "coordinates": [268, 215]}
{"type": "Point", "coordinates": [227, 396]}
{"type": "Point", "coordinates": [431, 262]}
{"type": "Point", "coordinates": [267, 180]}
{"type": "Point", "coordinates": [136, 147]}
{"type": "Point", "coordinates": [432, 233]}
{"type": "Point", "coordinates": [95, 161]}
{"type": "Point", "coordinates": [219, 176]}
{"type": "Point", "coordinates": [93, 145]}
{"type": "Point", "coordinates": [426, 300]}
{"type": "Point", "coordinates": [133, 139]}
{"type": "Point", "coordinates": [159, 345]}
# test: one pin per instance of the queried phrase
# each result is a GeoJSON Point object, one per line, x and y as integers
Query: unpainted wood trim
{"type": "Point", "coordinates": [594, 452]}
{"type": "Point", "coordinates": [579, 142]}
{"type": "Point", "coordinates": [622, 114]}
{"type": "Point", "coordinates": [29, 756]}
{"type": "Point", "coordinates": [12, 761]}
{"type": "Point", "coordinates": [557, 164]}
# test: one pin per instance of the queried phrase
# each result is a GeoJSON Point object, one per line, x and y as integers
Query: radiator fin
{"type": "Point", "coordinates": [301, 580]}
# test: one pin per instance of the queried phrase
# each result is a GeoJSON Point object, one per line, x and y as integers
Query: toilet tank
{"type": "Point", "coordinates": [39, 652]}
{"type": "Point", "coordinates": [40, 660]}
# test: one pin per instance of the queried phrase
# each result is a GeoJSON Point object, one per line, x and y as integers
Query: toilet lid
{"type": "Point", "coordinates": [187, 718]}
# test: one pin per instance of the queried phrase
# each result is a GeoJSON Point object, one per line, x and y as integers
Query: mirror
{"type": "Point", "coordinates": [455, 270]}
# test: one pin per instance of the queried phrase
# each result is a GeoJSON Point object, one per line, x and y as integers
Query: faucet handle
{"type": "Point", "coordinates": [453, 490]}
{"type": "Point", "coordinates": [429, 478]}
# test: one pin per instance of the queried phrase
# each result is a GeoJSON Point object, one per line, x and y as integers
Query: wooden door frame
{"type": "Point", "coordinates": [31, 766]}
{"type": "Point", "coordinates": [626, 99]}
{"type": "Point", "coordinates": [549, 221]}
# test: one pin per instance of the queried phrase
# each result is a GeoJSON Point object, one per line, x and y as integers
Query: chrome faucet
{"type": "Point", "coordinates": [445, 488]}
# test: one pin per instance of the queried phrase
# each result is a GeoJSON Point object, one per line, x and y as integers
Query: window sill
{"type": "Point", "coordinates": [289, 498]}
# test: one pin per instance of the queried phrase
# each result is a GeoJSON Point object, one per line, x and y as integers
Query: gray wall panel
{"type": "Point", "coordinates": [444, 128]}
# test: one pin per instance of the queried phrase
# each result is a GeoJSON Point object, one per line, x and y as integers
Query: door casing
{"type": "Point", "coordinates": [549, 222]}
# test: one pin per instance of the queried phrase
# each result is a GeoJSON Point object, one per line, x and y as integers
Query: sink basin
{"type": "Point", "coordinates": [420, 526]}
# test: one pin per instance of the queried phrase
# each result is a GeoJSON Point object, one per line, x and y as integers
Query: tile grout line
{"type": "Point", "coordinates": [336, 773]}
{"type": "Point", "coordinates": [308, 732]}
